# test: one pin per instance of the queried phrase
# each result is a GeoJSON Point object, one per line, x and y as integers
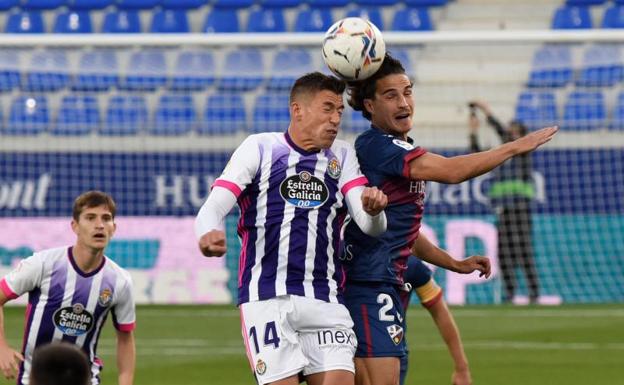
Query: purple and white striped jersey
{"type": "Point", "coordinates": [66, 304]}
{"type": "Point", "coordinates": [292, 208]}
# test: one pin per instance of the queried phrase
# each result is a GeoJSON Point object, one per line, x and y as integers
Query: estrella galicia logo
{"type": "Point", "coordinates": [304, 190]}
{"type": "Point", "coordinates": [73, 320]}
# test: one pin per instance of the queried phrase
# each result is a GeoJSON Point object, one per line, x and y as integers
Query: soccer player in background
{"type": "Point", "coordinates": [391, 161]}
{"type": "Point", "coordinates": [60, 364]}
{"type": "Point", "coordinates": [292, 188]}
{"type": "Point", "coordinates": [71, 291]}
{"type": "Point", "coordinates": [418, 278]}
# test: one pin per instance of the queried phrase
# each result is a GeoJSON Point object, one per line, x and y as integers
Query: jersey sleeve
{"type": "Point", "coordinates": [242, 167]}
{"type": "Point", "coordinates": [390, 154]}
{"type": "Point", "coordinates": [351, 175]}
{"type": "Point", "coordinates": [24, 278]}
{"type": "Point", "coordinates": [124, 313]}
{"type": "Point", "coordinates": [419, 276]}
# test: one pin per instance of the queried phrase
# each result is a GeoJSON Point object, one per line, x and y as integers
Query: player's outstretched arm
{"type": "Point", "coordinates": [126, 357]}
{"type": "Point", "coordinates": [9, 358]}
{"type": "Point", "coordinates": [457, 169]}
{"type": "Point", "coordinates": [431, 253]}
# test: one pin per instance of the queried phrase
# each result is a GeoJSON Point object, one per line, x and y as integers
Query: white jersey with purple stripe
{"type": "Point", "coordinates": [66, 304]}
{"type": "Point", "coordinates": [292, 209]}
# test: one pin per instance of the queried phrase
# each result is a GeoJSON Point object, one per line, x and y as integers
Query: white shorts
{"type": "Point", "coordinates": [290, 334]}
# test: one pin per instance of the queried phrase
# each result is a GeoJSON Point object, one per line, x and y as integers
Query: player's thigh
{"type": "Point", "coordinates": [379, 320]}
{"type": "Point", "coordinates": [332, 377]}
{"type": "Point", "coordinates": [377, 370]}
{"type": "Point", "coordinates": [270, 340]}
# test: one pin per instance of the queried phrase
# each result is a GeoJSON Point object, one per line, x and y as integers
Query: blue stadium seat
{"type": "Point", "coordinates": [194, 71]}
{"type": "Point", "coordinates": [376, 3]}
{"type": "Point", "coordinates": [328, 3]}
{"type": "Point", "coordinates": [174, 115]}
{"type": "Point", "coordinates": [222, 20]}
{"type": "Point", "coordinates": [122, 21]}
{"type": "Point", "coordinates": [551, 67]}
{"type": "Point", "coordinates": [602, 66]}
{"type": "Point", "coordinates": [584, 110]}
{"type": "Point", "coordinates": [537, 109]}
{"type": "Point", "coordinates": [182, 4]}
{"type": "Point", "coordinates": [97, 71]}
{"type": "Point", "coordinates": [170, 21]}
{"type": "Point", "coordinates": [368, 13]}
{"type": "Point", "coordinates": [28, 116]}
{"type": "Point", "coordinates": [617, 123]}
{"type": "Point", "coordinates": [146, 71]}
{"type": "Point", "coordinates": [613, 17]}
{"type": "Point", "coordinates": [313, 20]}
{"type": "Point", "coordinates": [125, 115]}
{"type": "Point", "coordinates": [224, 114]}
{"type": "Point", "coordinates": [355, 123]}
{"type": "Point", "coordinates": [571, 17]}
{"type": "Point", "coordinates": [585, 2]}
{"type": "Point", "coordinates": [41, 4]}
{"type": "Point", "coordinates": [73, 22]}
{"type": "Point", "coordinates": [243, 71]}
{"type": "Point", "coordinates": [271, 113]}
{"type": "Point", "coordinates": [48, 71]}
{"type": "Point", "coordinates": [78, 115]}
{"type": "Point", "coordinates": [5, 5]}
{"type": "Point", "coordinates": [288, 65]}
{"type": "Point", "coordinates": [425, 3]}
{"type": "Point", "coordinates": [412, 19]}
{"type": "Point", "coordinates": [232, 3]}
{"type": "Point", "coordinates": [136, 4]}
{"type": "Point", "coordinates": [266, 20]}
{"type": "Point", "coordinates": [404, 57]}
{"type": "Point", "coordinates": [24, 22]}
{"type": "Point", "coordinates": [9, 69]}
{"type": "Point", "coordinates": [280, 3]}
{"type": "Point", "coordinates": [88, 4]}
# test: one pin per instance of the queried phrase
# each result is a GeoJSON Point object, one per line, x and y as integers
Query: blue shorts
{"type": "Point", "coordinates": [378, 318]}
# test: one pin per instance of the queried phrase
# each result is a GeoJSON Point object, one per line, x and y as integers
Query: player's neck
{"type": "Point", "coordinates": [87, 258]}
{"type": "Point", "coordinates": [306, 144]}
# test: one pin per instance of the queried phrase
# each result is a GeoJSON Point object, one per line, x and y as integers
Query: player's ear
{"type": "Point", "coordinates": [368, 105]}
{"type": "Point", "coordinates": [74, 226]}
{"type": "Point", "coordinates": [295, 110]}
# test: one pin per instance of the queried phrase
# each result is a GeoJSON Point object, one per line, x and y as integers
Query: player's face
{"type": "Point", "coordinates": [321, 116]}
{"type": "Point", "coordinates": [393, 106]}
{"type": "Point", "coordinates": [95, 227]}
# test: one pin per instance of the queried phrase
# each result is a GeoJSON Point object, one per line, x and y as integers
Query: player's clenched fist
{"type": "Point", "coordinates": [212, 244]}
{"type": "Point", "coordinates": [374, 200]}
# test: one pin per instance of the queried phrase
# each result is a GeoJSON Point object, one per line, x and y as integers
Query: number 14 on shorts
{"type": "Point", "coordinates": [269, 333]}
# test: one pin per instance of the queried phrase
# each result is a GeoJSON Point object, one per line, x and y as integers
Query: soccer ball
{"type": "Point", "coordinates": [353, 48]}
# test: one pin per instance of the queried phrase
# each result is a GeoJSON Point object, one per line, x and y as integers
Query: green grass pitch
{"type": "Point", "coordinates": [200, 345]}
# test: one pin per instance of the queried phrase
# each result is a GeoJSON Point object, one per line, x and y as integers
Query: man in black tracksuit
{"type": "Point", "coordinates": [510, 194]}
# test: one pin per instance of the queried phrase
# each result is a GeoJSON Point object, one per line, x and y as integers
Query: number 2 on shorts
{"type": "Point", "coordinates": [270, 336]}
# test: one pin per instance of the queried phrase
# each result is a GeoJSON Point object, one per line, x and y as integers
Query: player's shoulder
{"type": "Point", "coordinates": [341, 144]}
{"type": "Point", "coordinates": [51, 254]}
{"type": "Point", "coordinates": [119, 271]}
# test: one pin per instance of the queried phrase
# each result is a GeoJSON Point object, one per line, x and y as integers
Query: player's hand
{"type": "Point", "coordinates": [374, 200]}
{"type": "Point", "coordinates": [212, 244]}
{"type": "Point", "coordinates": [9, 361]}
{"type": "Point", "coordinates": [535, 139]}
{"type": "Point", "coordinates": [476, 262]}
{"type": "Point", "coordinates": [461, 377]}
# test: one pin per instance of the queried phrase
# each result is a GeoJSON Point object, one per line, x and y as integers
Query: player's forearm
{"type": "Point", "coordinates": [450, 333]}
{"type": "Point", "coordinates": [126, 358]}
{"type": "Point", "coordinates": [370, 225]}
{"type": "Point", "coordinates": [464, 167]}
{"type": "Point", "coordinates": [428, 252]}
{"type": "Point", "coordinates": [213, 211]}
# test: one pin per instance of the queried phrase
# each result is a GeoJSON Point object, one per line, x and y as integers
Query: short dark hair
{"type": "Point", "coordinates": [365, 89]}
{"type": "Point", "coordinates": [60, 363]}
{"type": "Point", "coordinates": [93, 199]}
{"type": "Point", "coordinates": [315, 82]}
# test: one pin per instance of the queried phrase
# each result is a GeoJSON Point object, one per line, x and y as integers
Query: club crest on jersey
{"type": "Point", "coordinates": [73, 320]}
{"type": "Point", "coordinates": [304, 190]}
{"type": "Point", "coordinates": [260, 367]}
{"type": "Point", "coordinates": [403, 144]}
{"type": "Point", "coordinates": [396, 333]}
{"type": "Point", "coordinates": [334, 169]}
{"type": "Point", "coordinates": [105, 298]}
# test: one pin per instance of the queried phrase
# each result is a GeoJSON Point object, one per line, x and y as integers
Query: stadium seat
{"type": "Point", "coordinates": [584, 110]}
{"type": "Point", "coordinates": [280, 3]}
{"type": "Point", "coordinates": [355, 123]}
{"type": "Point", "coordinates": [41, 4]}
{"type": "Point", "coordinates": [28, 115]}
{"type": "Point", "coordinates": [136, 4]}
{"type": "Point", "coordinates": [5, 5]}
{"type": "Point", "coordinates": [288, 65]}
{"type": "Point", "coordinates": [78, 115]}
{"type": "Point", "coordinates": [425, 3]}
{"type": "Point", "coordinates": [271, 113]}
{"type": "Point", "coordinates": [170, 21]}
{"type": "Point", "coordinates": [146, 71]}
{"type": "Point", "coordinates": [536, 109]}
{"type": "Point", "coordinates": [266, 20]}
{"type": "Point", "coordinates": [24, 22]}
{"type": "Point", "coordinates": [377, 3]}
{"type": "Point", "coordinates": [368, 13]}
{"type": "Point", "coordinates": [404, 57]}
{"type": "Point", "coordinates": [613, 17]}
{"type": "Point", "coordinates": [617, 123]}
{"type": "Point", "coordinates": [73, 22]}
{"type": "Point", "coordinates": [232, 3]}
{"type": "Point", "coordinates": [48, 71]}
{"type": "Point", "coordinates": [122, 21]}
{"type": "Point", "coordinates": [328, 3]}
{"type": "Point", "coordinates": [602, 66]}
{"type": "Point", "coordinates": [174, 115]}
{"type": "Point", "coordinates": [572, 17]}
{"type": "Point", "coordinates": [412, 19]}
{"type": "Point", "coordinates": [224, 114]}
{"type": "Point", "coordinates": [585, 2]}
{"type": "Point", "coordinates": [194, 71]}
{"type": "Point", "coordinates": [88, 4]}
{"type": "Point", "coordinates": [125, 115]}
{"type": "Point", "coordinates": [551, 67]}
{"type": "Point", "coordinates": [97, 71]}
{"type": "Point", "coordinates": [182, 4]}
{"type": "Point", "coordinates": [243, 71]}
{"type": "Point", "coordinates": [313, 20]}
{"type": "Point", "coordinates": [222, 20]}
{"type": "Point", "coordinates": [9, 69]}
